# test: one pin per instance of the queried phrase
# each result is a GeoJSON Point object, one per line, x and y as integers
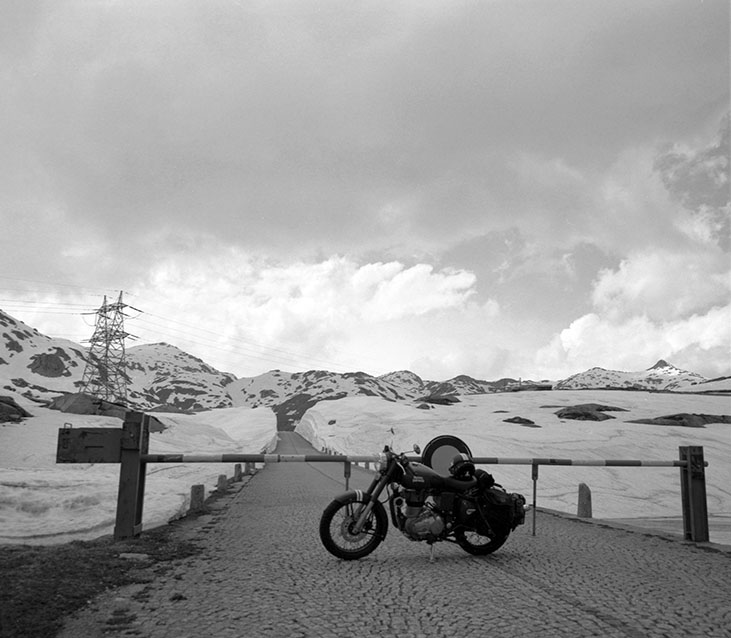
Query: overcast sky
{"type": "Point", "coordinates": [494, 188]}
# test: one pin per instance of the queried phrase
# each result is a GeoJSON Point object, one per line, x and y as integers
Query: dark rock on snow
{"type": "Point", "coordinates": [587, 412]}
{"type": "Point", "coordinates": [686, 420]}
{"type": "Point", "coordinates": [10, 411]}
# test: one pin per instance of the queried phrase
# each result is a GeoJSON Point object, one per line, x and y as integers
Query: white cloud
{"type": "Point", "coordinates": [670, 303]}
{"type": "Point", "coordinates": [310, 309]}
{"type": "Point", "coordinates": [700, 343]}
{"type": "Point", "coordinates": [418, 290]}
{"type": "Point", "coordinates": [213, 159]}
{"type": "Point", "coordinates": [663, 285]}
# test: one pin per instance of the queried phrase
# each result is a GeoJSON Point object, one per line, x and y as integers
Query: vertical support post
{"type": "Point", "coordinates": [197, 498]}
{"type": "Point", "coordinates": [534, 476]}
{"type": "Point", "coordinates": [346, 473]}
{"type": "Point", "coordinates": [131, 495]}
{"type": "Point", "coordinates": [583, 509]}
{"type": "Point", "coordinates": [693, 494]}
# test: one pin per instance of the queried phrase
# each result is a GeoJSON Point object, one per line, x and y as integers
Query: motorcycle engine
{"type": "Point", "coordinates": [426, 525]}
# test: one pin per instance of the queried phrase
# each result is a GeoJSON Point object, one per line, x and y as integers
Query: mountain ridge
{"type": "Point", "coordinates": [163, 377]}
{"type": "Point", "coordinates": [661, 376]}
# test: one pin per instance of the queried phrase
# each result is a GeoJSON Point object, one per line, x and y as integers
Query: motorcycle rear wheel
{"type": "Point", "coordinates": [474, 543]}
{"type": "Point", "coordinates": [336, 529]}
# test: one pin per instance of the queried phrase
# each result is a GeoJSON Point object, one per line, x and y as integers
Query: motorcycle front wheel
{"type": "Point", "coordinates": [474, 543]}
{"type": "Point", "coordinates": [336, 529]}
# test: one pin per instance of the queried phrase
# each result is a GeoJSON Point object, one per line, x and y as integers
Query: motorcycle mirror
{"type": "Point", "coordinates": [417, 449]}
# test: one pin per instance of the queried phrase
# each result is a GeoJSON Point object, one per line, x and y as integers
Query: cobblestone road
{"type": "Point", "coordinates": [263, 572]}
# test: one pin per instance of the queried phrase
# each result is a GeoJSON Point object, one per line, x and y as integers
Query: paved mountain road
{"type": "Point", "coordinates": [264, 572]}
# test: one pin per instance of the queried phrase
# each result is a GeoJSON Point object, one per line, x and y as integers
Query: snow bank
{"type": "Point", "coordinates": [45, 502]}
{"type": "Point", "coordinates": [362, 425]}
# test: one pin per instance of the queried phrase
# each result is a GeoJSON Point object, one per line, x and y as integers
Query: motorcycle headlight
{"type": "Point", "coordinates": [382, 462]}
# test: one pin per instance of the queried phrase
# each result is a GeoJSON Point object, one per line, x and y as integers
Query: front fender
{"type": "Point", "coordinates": [354, 495]}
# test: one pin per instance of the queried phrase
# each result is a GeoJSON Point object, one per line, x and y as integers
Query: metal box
{"type": "Point", "coordinates": [89, 445]}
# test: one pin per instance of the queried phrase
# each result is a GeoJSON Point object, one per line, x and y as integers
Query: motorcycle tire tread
{"type": "Point", "coordinates": [378, 535]}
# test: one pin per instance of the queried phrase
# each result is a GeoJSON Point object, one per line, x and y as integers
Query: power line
{"type": "Point", "coordinates": [55, 285]}
{"type": "Point", "coordinates": [231, 347]}
{"type": "Point", "coordinates": [277, 352]}
{"type": "Point", "coordinates": [193, 334]}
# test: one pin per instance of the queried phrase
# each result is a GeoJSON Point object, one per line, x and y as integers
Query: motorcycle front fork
{"type": "Point", "coordinates": [374, 491]}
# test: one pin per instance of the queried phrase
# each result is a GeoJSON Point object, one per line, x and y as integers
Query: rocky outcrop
{"type": "Point", "coordinates": [10, 411]}
{"type": "Point", "coordinates": [686, 420]}
{"type": "Point", "coordinates": [587, 412]}
{"type": "Point", "coordinates": [521, 421]}
{"type": "Point", "coordinates": [48, 364]}
{"type": "Point", "coordinates": [80, 403]}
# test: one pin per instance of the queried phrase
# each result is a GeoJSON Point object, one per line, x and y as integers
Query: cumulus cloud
{"type": "Point", "coordinates": [668, 295]}
{"type": "Point", "coordinates": [306, 121]}
{"type": "Point", "coordinates": [699, 343]}
{"type": "Point", "coordinates": [699, 180]}
{"type": "Point", "coordinates": [656, 304]}
{"type": "Point", "coordinates": [306, 307]}
{"type": "Point", "coordinates": [663, 286]}
{"type": "Point", "coordinates": [489, 170]}
{"type": "Point", "coordinates": [699, 177]}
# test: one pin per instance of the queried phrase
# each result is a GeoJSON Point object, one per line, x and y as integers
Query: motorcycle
{"type": "Point", "coordinates": [466, 507]}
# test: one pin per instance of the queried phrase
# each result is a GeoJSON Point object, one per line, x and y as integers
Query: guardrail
{"type": "Point", "coordinates": [129, 446]}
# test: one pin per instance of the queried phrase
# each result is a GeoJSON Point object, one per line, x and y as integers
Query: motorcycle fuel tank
{"type": "Point", "coordinates": [423, 478]}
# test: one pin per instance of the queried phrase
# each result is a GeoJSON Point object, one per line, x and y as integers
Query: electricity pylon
{"type": "Point", "coordinates": [104, 375]}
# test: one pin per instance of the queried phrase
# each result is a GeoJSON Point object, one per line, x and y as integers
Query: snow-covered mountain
{"type": "Point", "coordinates": [661, 376]}
{"type": "Point", "coordinates": [37, 366]}
{"type": "Point", "coordinates": [290, 395]}
{"type": "Point", "coordinates": [161, 376]}
{"type": "Point", "coordinates": [41, 368]}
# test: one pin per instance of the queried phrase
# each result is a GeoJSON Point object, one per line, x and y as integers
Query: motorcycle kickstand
{"type": "Point", "coordinates": [431, 553]}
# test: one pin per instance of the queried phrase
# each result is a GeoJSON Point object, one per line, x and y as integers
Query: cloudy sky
{"type": "Point", "coordinates": [494, 188]}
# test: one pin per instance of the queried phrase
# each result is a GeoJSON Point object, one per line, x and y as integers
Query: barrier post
{"type": "Point", "coordinates": [346, 473]}
{"type": "Point", "coordinates": [197, 498]}
{"type": "Point", "coordinates": [130, 499]}
{"type": "Point", "coordinates": [693, 493]}
{"type": "Point", "coordinates": [583, 509]}
{"type": "Point", "coordinates": [534, 476]}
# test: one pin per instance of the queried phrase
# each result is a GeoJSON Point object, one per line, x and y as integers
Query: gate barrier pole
{"type": "Point", "coordinates": [693, 494]}
{"type": "Point", "coordinates": [131, 496]}
{"type": "Point", "coordinates": [129, 446]}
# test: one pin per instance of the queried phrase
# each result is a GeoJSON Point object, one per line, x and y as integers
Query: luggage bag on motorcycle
{"type": "Point", "coordinates": [503, 511]}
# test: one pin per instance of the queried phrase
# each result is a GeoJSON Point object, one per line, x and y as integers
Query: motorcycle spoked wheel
{"type": "Point", "coordinates": [474, 543]}
{"type": "Point", "coordinates": [336, 527]}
